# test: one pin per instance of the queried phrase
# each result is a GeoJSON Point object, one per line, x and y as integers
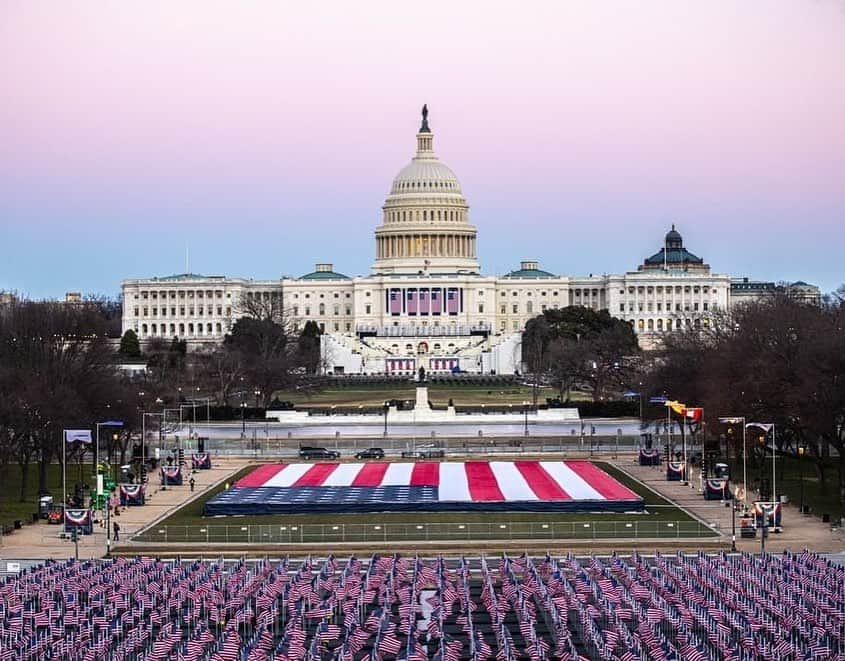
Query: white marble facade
{"type": "Point", "coordinates": [425, 302]}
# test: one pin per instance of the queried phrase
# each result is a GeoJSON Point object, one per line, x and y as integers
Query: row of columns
{"type": "Point", "coordinates": [425, 245]}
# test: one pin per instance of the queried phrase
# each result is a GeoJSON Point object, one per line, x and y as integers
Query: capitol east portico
{"type": "Point", "coordinates": [425, 302]}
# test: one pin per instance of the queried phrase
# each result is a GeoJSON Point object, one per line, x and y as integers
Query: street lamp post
{"type": "Point", "coordinates": [801, 451]}
{"type": "Point", "coordinates": [107, 423]}
{"type": "Point", "coordinates": [243, 419]}
{"type": "Point", "coordinates": [386, 408]}
{"type": "Point", "coordinates": [741, 420]}
{"type": "Point", "coordinates": [525, 418]}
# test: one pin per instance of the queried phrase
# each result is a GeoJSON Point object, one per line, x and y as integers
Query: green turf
{"type": "Point", "coordinates": [662, 519]}
{"type": "Point", "coordinates": [11, 506]}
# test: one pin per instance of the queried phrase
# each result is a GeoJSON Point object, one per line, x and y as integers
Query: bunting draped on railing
{"type": "Point", "coordinates": [675, 470]}
{"type": "Point", "coordinates": [649, 457]}
{"type": "Point", "coordinates": [201, 461]}
{"type": "Point", "coordinates": [80, 519]}
{"type": "Point", "coordinates": [171, 475]}
{"type": "Point", "coordinates": [717, 490]}
{"type": "Point", "coordinates": [132, 494]}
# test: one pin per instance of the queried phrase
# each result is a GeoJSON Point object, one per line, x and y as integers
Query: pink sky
{"type": "Point", "coordinates": [579, 131]}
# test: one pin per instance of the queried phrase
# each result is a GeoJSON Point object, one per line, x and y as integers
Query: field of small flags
{"type": "Point", "coordinates": [713, 607]}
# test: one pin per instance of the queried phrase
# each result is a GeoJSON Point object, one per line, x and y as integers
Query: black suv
{"type": "Point", "coordinates": [370, 453]}
{"type": "Point", "coordinates": [317, 453]}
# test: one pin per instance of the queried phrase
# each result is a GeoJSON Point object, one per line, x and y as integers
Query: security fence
{"type": "Point", "coordinates": [453, 531]}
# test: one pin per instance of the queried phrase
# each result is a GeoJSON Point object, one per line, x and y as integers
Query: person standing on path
{"type": "Point", "coordinates": [116, 529]}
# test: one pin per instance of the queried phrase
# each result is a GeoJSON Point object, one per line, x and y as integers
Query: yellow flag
{"type": "Point", "coordinates": [677, 407]}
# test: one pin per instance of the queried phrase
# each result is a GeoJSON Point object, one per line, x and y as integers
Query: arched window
{"type": "Point", "coordinates": [190, 329]}
{"type": "Point", "coordinates": [219, 329]}
{"type": "Point", "coordinates": [660, 324]}
{"type": "Point", "coordinates": [144, 329]}
{"type": "Point", "coordinates": [182, 329]}
{"type": "Point", "coordinates": [208, 330]}
{"type": "Point", "coordinates": [651, 324]}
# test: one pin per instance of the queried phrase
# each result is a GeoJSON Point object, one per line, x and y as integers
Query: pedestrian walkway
{"type": "Point", "coordinates": [42, 541]}
{"type": "Point", "coordinates": [799, 530]}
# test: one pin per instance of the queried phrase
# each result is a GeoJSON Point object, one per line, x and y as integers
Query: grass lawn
{"type": "Point", "coordinates": [788, 481]}
{"type": "Point", "coordinates": [439, 393]}
{"type": "Point", "coordinates": [11, 507]}
{"type": "Point", "coordinates": [662, 520]}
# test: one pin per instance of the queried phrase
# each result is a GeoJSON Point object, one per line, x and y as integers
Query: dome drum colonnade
{"type": "Point", "coordinates": [425, 218]}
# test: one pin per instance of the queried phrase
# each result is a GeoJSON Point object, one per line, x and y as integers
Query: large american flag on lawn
{"type": "Point", "coordinates": [310, 485]}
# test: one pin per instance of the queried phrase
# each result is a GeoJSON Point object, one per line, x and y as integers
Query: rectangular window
{"type": "Point", "coordinates": [516, 308]}
{"type": "Point", "coordinates": [503, 309]}
{"type": "Point", "coordinates": [705, 306]}
{"type": "Point", "coordinates": [621, 307]}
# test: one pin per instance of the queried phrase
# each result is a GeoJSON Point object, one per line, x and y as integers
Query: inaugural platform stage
{"type": "Point", "coordinates": [326, 487]}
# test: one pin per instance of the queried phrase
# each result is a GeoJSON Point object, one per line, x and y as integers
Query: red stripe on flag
{"type": "Point", "coordinates": [544, 486]}
{"type": "Point", "coordinates": [260, 476]}
{"type": "Point", "coordinates": [482, 482]}
{"type": "Point", "coordinates": [601, 481]}
{"type": "Point", "coordinates": [425, 474]}
{"type": "Point", "coordinates": [315, 476]}
{"type": "Point", "coordinates": [370, 475]}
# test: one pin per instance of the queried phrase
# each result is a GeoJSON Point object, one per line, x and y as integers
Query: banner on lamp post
{"type": "Point", "coordinates": [78, 436]}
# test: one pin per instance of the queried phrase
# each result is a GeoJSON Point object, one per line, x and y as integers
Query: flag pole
{"type": "Point", "coordinates": [774, 449]}
{"type": "Point", "coordinates": [744, 473]}
{"type": "Point", "coordinates": [64, 476]}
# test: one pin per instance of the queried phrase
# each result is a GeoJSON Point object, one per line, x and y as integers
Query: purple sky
{"type": "Point", "coordinates": [266, 134]}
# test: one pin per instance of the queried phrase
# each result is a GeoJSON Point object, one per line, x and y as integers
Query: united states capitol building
{"type": "Point", "coordinates": [426, 302]}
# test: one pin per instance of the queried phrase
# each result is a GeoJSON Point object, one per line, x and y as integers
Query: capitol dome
{"type": "Point", "coordinates": [426, 175]}
{"type": "Point", "coordinates": [425, 225]}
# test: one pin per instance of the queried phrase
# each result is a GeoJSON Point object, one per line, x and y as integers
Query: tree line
{"type": "Point", "coordinates": [778, 359]}
{"type": "Point", "coordinates": [61, 368]}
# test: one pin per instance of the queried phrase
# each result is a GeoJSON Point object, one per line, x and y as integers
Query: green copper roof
{"type": "Point", "coordinates": [673, 257]}
{"type": "Point", "coordinates": [325, 275]}
{"type": "Point", "coordinates": [529, 273]}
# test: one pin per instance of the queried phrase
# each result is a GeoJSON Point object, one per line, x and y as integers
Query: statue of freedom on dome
{"type": "Point", "coordinates": [424, 128]}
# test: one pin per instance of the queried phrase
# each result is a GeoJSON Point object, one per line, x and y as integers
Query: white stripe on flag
{"type": "Point", "coordinates": [453, 482]}
{"type": "Point", "coordinates": [343, 475]}
{"type": "Point", "coordinates": [576, 486]}
{"type": "Point", "coordinates": [287, 476]}
{"type": "Point", "coordinates": [511, 483]}
{"type": "Point", "coordinates": [397, 475]}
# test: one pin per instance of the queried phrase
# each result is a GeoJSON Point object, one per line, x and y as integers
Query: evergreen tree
{"type": "Point", "coordinates": [130, 347]}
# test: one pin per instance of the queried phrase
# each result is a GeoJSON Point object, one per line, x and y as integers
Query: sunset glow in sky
{"type": "Point", "coordinates": [265, 134]}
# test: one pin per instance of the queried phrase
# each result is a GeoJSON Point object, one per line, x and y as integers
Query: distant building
{"type": "Point", "coordinates": [744, 290]}
{"type": "Point", "coordinates": [73, 297]}
{"type": "Point", "coordinates": [425, 302]}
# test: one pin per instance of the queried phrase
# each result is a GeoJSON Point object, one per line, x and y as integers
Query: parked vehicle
{"type": "Point", "coordinates": [309, 452]}
{"type": "Point", "coordinates": [370, 453]}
